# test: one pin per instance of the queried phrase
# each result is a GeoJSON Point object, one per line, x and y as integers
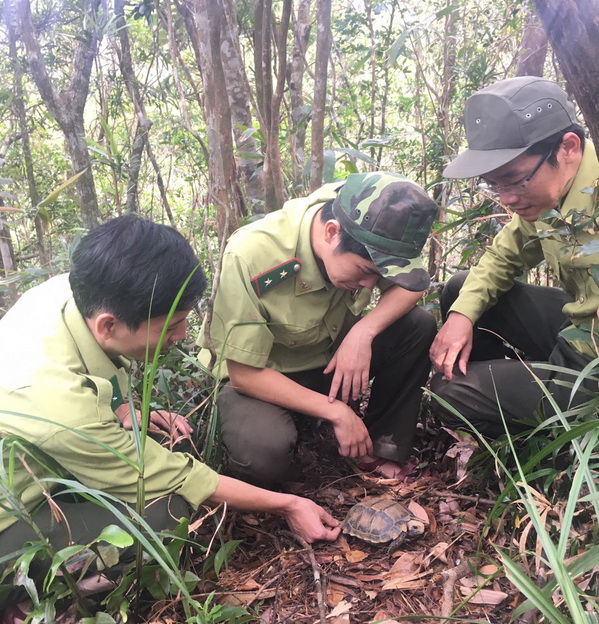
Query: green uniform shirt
{"type": "Point", "coordinates": [53, 368]}
{"type": "Point", "coordinates": [296, 325]}
{"type": "Point", "coordinates": [522, 245]}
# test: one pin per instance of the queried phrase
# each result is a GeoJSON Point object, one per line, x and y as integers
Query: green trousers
{"type": "Point", "coordinates": [529, 318]}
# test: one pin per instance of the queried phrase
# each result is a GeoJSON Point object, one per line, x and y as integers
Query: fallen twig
{"type": "Point", "coordinates": [317, 574]}
{"type": "Point", "coordinates": [449, 579]}
{"type": "Point", "coordinates": [473, 499]}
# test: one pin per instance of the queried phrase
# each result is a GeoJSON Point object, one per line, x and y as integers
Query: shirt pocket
{"type": "Point", "coordinates": [294, 337]}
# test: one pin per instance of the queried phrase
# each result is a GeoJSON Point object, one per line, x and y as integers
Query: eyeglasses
{"type": "Point", "coordinates": [518, 188]}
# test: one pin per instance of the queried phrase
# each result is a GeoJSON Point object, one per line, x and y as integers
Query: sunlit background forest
{"type": "Point", "coordinates": [202, 114]}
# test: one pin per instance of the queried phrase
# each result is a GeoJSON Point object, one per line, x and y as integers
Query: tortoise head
{"type": "Point", "coordinates": [416, 528]}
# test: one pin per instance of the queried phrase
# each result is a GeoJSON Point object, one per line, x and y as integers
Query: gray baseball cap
{"type": "Point", "coordinates": [503, 120]}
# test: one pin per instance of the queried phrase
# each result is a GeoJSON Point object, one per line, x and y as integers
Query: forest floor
{"type": "Point", "coordinates": [453, 570]}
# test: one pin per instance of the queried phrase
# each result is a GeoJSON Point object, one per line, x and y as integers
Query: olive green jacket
{"type": "Point", "coordinates": [558, 240]}
{"type": "Point", "coordinates": [53, 369]}
{"type": "Point", "coordinates": [295, 322]}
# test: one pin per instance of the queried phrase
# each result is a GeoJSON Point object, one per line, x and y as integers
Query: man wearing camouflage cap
{"type": "Point", "coordinates": [529, 153]}
{"type": "Point", "coordinates": [289, 332]}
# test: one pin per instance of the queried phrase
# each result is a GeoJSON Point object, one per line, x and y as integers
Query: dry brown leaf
{"type": "Point", "coordinates": [371, 594]}
{"type": "Point", "coordinates": [382, 616]}
{"type": "Point", "coordinates": [488, 569]}
{"type": "Point", "coordinates": [484, 596]}
{"type": "Point", "coordinates": [240, 598]}
{"type": "Point", "coordinates": [473, 581]}
{"type": "Point", "coordinates": [341, 619]}
{"type": "Point", "coordinates": [249, 585]}
{"type": "Point", "coordinates": [408, 563]}
{"type": "Point", "coordinates": [418, 510]}
{"type": "Point", "coordinates": [462, 451]}
{"type": "Point", "coordinates": [437, 552]}
{"type": "Point", "coordinates": [355, 556]}
{"type": "Point", "coordinates": [415, 581]}
{"type": "Point", "coordinates": [335, 594]}
{"type": "Point", "coordinates": [342, 608]}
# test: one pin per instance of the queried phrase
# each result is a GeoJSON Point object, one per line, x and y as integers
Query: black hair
{"type": "Point", "coordinates": [347, 244]}
{"type": "Point", "coordinates": [134, 269]}
{"type": "Point", "coordinates": [552, 143]}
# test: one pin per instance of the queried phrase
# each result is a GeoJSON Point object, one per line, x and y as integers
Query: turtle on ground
{"type": "Point", "coordinates": [381, 519]}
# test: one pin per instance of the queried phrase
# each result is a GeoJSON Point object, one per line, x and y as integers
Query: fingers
{"type": "Point", "coordinates": [464, 357]}
{"type": "Point", "coordinates": [335, 385]}
{"type": "Point", "coordinates": [327, 519]}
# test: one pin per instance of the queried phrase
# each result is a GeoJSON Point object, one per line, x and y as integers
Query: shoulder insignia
{"type": "Point", "coordinates": [268, 280]}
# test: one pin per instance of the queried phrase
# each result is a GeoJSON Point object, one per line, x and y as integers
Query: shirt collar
{"type": "Point", "coordinates": [96, 361]}
{"type": "Point", "coordinates": [578, 197]}
{"type": "Point", "coordinates": [310, 278]}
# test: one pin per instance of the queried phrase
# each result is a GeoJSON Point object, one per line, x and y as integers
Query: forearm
{"type": "Point", "coordinates": [240, 495]}
{"type": "Point", "coordinates": [273, 387]}
{"type": "Point", "coordinates": [514, 250]}
{"type": "Point", "coordinates": [394, 303]}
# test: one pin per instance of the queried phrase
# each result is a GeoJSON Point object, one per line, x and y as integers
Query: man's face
{"type": "Point", "coordinates": [132, 343]}
{"type": "Point", "coordinates": [350, 271]}
{"type": "Point", "coordinates": [541, 193]}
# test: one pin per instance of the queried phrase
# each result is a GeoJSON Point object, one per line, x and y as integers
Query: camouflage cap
{"type": "Point", "coordinates": [392, 217]}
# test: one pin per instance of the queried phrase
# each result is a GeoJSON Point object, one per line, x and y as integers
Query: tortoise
{"type": "Point", "coordinates": [381, 519]}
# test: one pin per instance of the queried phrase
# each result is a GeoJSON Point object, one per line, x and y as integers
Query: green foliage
{"type": "Point", "coordinates": [525, 462]}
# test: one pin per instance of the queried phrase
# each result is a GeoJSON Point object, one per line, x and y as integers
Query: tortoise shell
{"type": "Point", "coordinates": [380, 519]}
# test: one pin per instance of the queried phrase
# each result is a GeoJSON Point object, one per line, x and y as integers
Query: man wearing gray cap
{"type": "Point", "coordinates": [288, 324]}
{"type": "Point", "coordinates": [529, 153]}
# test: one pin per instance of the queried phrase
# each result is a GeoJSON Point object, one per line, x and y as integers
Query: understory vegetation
{"type": "Point", "coordinates": [203, 114]}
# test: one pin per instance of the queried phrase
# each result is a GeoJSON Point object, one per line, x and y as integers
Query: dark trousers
{"type": "Point", "coordinates": [260, 438]}
{"type": "Point", "coordinates": [528, 318]}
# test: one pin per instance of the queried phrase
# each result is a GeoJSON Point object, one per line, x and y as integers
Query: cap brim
{"type": "Point", "coordinates": [407, 273]}
{"type": "Point", "coordinates": [474, 163]}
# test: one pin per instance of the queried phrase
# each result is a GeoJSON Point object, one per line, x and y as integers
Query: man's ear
{"type": "Point", "coordinates": [105, 325]}
{"type": "Point", "coordinates": [571, 145]}
{"type": "Point", "coordinates": [332, 229]}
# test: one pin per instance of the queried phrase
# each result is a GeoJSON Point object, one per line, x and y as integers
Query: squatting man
{"type": "Point", "coordinates": [66, 349]}
{"type": "Point", "coordinates": [290, 332]}
{"type": "Point", "coordinates": [529, 153]}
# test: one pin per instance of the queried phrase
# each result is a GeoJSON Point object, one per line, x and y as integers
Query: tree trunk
{"type": "Point", "coordinates": [273, 150]}
{"type": "Point", "coordinates": [323, 48]}
{"type": "Point", "coordinates": [143, 124]}
{"type": "Point", "coordinates": [295, 80]}
{"type": "Point", "coordinates": [240, 97]}
{"type": "Point", "coordinates": [224, 188]}
{"type": "Point", "coordinates": [533, 48]}
{"type": "Point", "coordinates": [572, 28]}
{"type": "Point", "coordinates": [19, 104]}
{"type": "Point", "coordinates": [448, 86]}
{"type": "Point", "coordinates": [68, 106]}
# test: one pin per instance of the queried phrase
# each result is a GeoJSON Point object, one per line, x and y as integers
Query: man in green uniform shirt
{"type": "Point", "coordinates": [289, 332]}
{"type": "Point", "coordinates": [529, 153]}
{"type": "Point", "coordinates": [64, 373]}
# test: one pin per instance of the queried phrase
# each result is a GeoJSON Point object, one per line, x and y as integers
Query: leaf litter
{"type": "Point", "coordinates": [453, 570]}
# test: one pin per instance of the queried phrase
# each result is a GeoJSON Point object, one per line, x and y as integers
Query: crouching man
{"type": "Point", "coordinates": [289, 326]}
{"type": "Point", "coordinates": [65, 361]}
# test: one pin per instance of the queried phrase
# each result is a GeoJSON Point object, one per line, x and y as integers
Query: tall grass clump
{"type": "Point", "coordinates": [567, 560]}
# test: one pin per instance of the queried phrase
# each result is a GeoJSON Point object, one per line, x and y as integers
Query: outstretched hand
{"type": "Point", "coordinates": [311, 522]}
{"type": "Point", "coordinates": [453, 342]}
